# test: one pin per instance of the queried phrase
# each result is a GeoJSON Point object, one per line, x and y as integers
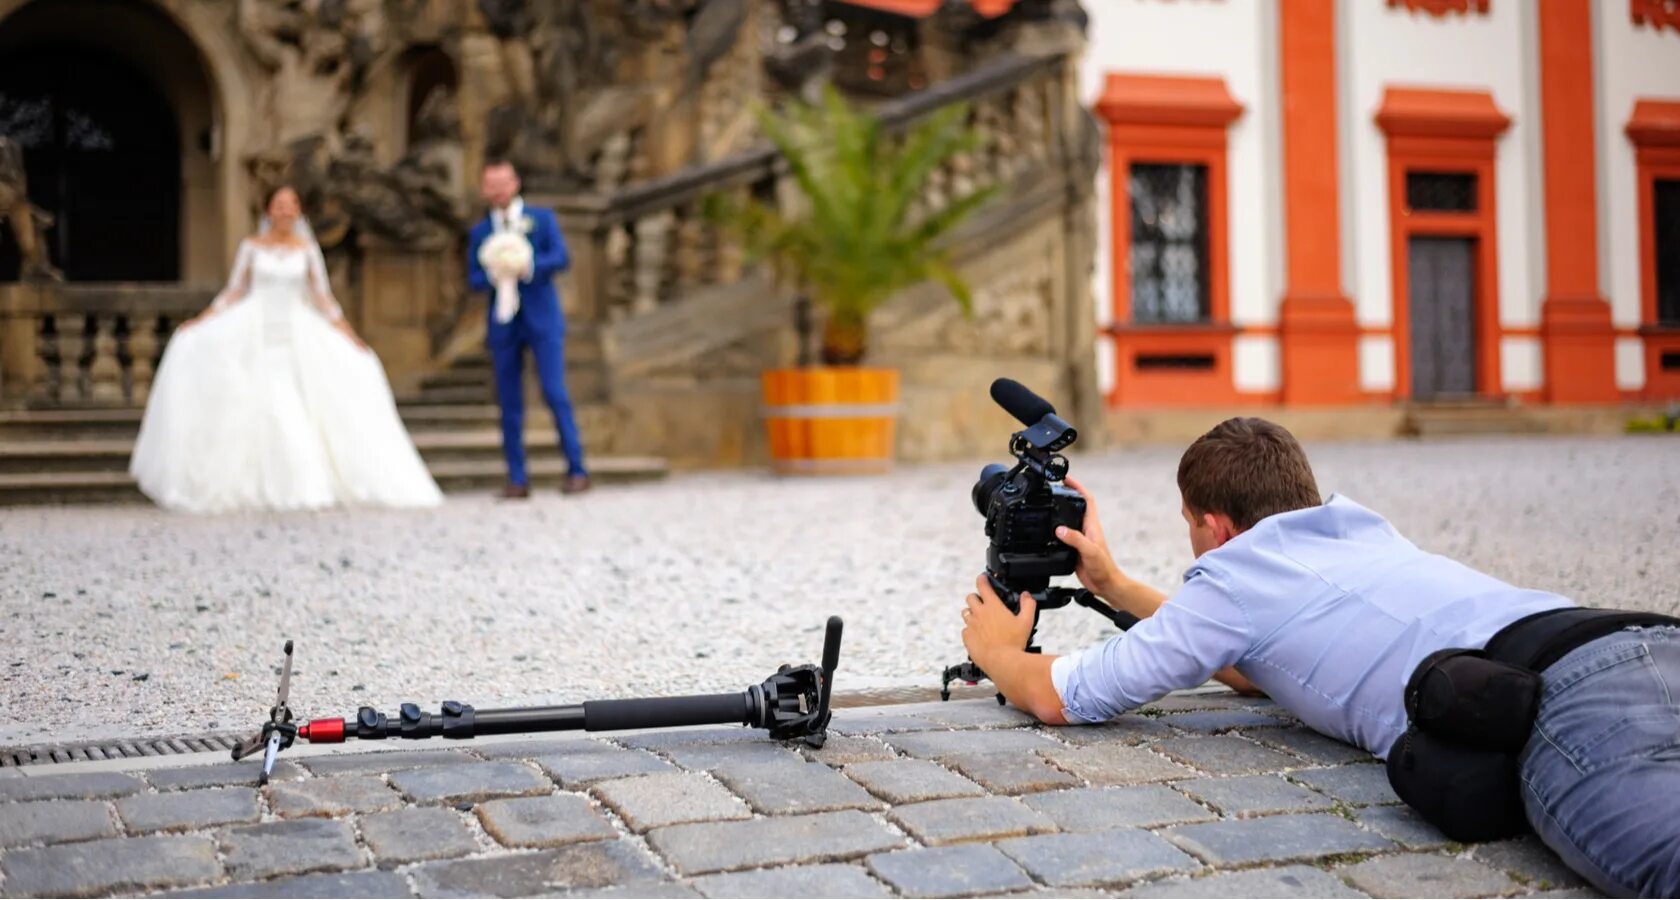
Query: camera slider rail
{"type": "Point", "coordinates": [1049, 598]}
{"type": "Point", "coordinates": [791, 704]}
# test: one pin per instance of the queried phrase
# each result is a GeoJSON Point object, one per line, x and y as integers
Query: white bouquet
{"type": "Point", "coordinates": [506, 257]}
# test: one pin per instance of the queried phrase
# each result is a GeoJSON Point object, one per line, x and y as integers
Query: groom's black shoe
{"type": "Point", "coordinates": [516, 492]}
{"type": "Point", "coordinates": [575, 484]}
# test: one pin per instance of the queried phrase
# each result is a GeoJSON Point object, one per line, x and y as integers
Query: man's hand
{"type": "Point", "coordinates": [991, 626]}
{"type": "Point", "coordinates": [997, 639]}
{"type": "Point", "coordinates": [1097, 569]}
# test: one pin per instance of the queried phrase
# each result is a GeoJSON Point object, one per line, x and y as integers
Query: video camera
{"type": "Point", "coordinates": [1024, 506]}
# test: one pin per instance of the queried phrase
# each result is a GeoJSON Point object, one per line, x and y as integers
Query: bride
{"type": "Point", "coordinates": [269, 400]}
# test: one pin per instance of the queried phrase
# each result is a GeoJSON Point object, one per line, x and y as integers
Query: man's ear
{"type": "Point", "coordinates": [1222, 527]}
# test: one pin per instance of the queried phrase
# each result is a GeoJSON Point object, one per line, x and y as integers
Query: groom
{"type": "Point", "coordinates": [529, 318]}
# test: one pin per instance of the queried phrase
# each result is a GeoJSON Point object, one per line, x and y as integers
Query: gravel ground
{"type": "Point", "coordinates": [122, 621]}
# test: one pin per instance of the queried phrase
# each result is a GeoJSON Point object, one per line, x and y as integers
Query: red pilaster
{"type": "Point", "coordinates": [1317, 332]}
{"type": "Point", "coordinates": [1578, 341]}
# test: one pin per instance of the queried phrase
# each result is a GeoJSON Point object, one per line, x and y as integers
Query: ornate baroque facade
{"type": "Point", "coordinates": [623, 114]}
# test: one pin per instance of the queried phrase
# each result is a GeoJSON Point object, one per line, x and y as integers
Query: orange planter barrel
{"type": "Point", "coordinates": [831, 421]}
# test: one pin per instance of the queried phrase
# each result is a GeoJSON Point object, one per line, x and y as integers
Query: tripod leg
{"type": "Point", "coordinates": [964, 671]}
{"type": "Point", "coordinates": [1121, 619]}
{"type": "Point", "coordinates": [971, 673]}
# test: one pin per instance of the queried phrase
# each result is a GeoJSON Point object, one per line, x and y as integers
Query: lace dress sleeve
{"type": "Point", "coordinates": [239, 283]}
{"type": "Point", "coordinates": [320, 286]}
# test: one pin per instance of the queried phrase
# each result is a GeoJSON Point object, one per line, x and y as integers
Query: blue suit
{"type": "Point", "coordinates": [538, 325]}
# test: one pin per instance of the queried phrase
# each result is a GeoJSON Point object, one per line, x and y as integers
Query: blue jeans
{"type": "Point", "coordinates": [1601, 775]}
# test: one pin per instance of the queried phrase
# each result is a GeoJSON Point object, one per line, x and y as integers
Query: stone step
{"type": "Point", "coordinates": [458, 376]}
{"type": "Point", "coordinates": [110, 454]}
{"type": "Point", "coordinates": [466, 474]}
{"type": "Point", "coordinates": [417, 414]}
{"type": "Point", "coordinates": [453, 476]}
{"type": "Point", "coordinates": [1469, 418]}
{"type": "Point", "coordinates": [87, 422]}
{"type": "Point", "coordinates": [464, 393]}
{"type": "Point", "coordinates": [586, 386]}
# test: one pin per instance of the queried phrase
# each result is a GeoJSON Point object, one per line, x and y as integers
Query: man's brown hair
{"type": "Point", "coordinates": [1248, 469]}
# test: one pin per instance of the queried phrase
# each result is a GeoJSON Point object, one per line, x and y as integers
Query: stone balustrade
{"type": "Point", "coordinates": [87, 345]}
{"type": "Point", "coordinates": [649, 245]}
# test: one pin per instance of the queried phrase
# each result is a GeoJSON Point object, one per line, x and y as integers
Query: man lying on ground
{"type": "Point", "coordinates": [1326, 608]}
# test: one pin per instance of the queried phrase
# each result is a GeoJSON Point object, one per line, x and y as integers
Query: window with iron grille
{"type": "Point", "coordinates": [1169, 243]}
{"type": "Point", "coordinates": [1665, 208]}
{"type": "Point", "coordinates": [1441, 191]}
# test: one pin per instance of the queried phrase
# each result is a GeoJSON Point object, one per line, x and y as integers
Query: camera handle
{"type": "Point", "coordinates": [791, 704]}
{"type": "Point", "coordinates": [1048, 598]}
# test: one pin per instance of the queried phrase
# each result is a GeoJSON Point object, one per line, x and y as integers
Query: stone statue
{"type": "Point", "coordinates": [319, 53]}
{"type": "Point", "coordinates": [382, 203]}
{"type": "Point", "coordinates": [434, 168]}
{"type": "Point", "coordinates": [712, 32]}
{"type": "Point", "coordinates": [28, 224]}
{"type": "Point", "coordinates": [508, 19]}
{"type": "Point", "coordinates": [268, 27]}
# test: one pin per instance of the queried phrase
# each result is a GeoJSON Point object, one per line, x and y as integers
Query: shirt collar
{"type": "Point", "coordinates": [502, 218]}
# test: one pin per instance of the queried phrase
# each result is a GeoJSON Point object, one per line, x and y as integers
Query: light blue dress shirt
{"type": "Point", "coordinates": [1328, 610]}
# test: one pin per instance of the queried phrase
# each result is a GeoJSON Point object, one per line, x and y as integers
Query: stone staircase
{"type": "Point", "coordinates": [468, 380]}
{"type": "Point", "coordinates": [81, 454]}
{"type": "Point", "coordinates": [1448, 418]}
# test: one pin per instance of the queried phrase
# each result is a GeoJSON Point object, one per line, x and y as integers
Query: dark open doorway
{"type": "Point", "coordinates": [101, 150]}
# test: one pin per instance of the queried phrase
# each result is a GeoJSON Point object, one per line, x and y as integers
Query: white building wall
{"type": "Point", "coordinates": [1633, 62]}
{"type": "Point", "coordinates": [1386, 47]}
{"type": "Point", "coordinates": [1201, 38]}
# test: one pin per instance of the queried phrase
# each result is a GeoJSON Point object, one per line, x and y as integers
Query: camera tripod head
{"type": "Point", "coordinates": [793, 703]}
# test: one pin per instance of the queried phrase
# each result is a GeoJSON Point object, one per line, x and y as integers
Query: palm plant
{"type": "Point", "coordinates": [860, 237]}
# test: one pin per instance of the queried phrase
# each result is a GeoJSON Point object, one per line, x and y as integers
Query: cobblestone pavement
{"type": "Point", "coordinates": [1202, 794]}
{"type": "Point", "coordinates": [122, 621]}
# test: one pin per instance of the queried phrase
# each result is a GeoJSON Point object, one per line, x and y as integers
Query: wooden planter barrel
{"type": "Point", "coordinates": [831, 421]}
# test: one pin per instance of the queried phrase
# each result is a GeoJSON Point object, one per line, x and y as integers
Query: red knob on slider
{"type": "Point", "coordinates": [323, 731]}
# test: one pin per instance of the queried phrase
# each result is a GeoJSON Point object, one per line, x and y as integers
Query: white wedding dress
{"type": "Point", "coordinates": [266, 405]}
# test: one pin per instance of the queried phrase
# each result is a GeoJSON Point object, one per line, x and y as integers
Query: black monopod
{"type": "Point", "coordinates": [791, 704]}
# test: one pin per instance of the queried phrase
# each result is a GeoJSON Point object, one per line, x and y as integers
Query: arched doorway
{"type": "Point", "coordinates": [102, 156]}
{"type": "Point", "coordinates": [111, 106]}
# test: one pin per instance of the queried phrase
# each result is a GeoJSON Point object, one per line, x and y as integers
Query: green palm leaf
{"type": "Point", "coordinates": [859, 240]}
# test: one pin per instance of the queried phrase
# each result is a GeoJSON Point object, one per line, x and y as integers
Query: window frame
{"type": "Point", "coordinates": [1170, 120]}
{"type": "Point", "coordinates": [1202, 241]}
{"type": "Point", "coordinates": [1654, 130]}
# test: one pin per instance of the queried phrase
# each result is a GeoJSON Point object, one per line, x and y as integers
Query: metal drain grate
{"type": "Point", "coordinates": [47, 754]}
